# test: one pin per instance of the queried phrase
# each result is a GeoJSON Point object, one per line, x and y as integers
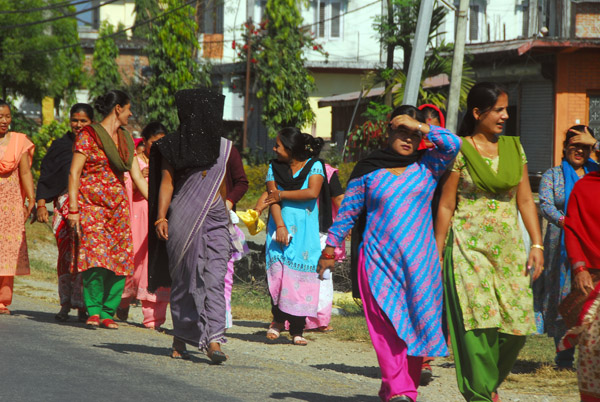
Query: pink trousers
{"type": "Point", "coordinates": [400, 373]}
{"type": "Point", "coordinates": [155, 313]}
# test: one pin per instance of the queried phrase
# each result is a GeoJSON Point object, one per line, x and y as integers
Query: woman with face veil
{"type": "Point", "coordinates": [189, 222]}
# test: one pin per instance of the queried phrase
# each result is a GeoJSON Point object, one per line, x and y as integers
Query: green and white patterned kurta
{"type": "Point", "coordinates": [489, 257]}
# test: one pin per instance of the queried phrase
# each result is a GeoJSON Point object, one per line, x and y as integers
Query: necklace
{"type": "Point", "coordinates": [396, 171]}
{"type": "Point", "coordinates": [478, 150]}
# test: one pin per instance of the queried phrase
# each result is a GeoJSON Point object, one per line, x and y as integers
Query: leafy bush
{"type": "Point", "coordinates": [370, 136]}
{"type": "Point", "coordinates": [43, 139]}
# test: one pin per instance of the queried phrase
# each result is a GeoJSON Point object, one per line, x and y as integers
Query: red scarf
{"type": "Point", "coordinates": [582, 223]}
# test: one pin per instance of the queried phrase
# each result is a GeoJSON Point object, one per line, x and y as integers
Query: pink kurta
{"type": "Point", "coordinates": [13, 246]}
{"type": "Point", "coordinates": [137, 284]}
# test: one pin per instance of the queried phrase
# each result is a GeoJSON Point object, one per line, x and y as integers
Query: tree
{"type": "Point", "coordinates": [278, 45]}
{"type": "Point", "coordinates": [171, 45]}
{"type": "Point", "coordinates": [30, 65]}
{"type": "Point", "coordinates": [144, 10]}
{"type": "Point", "coordinates": [397, 30]}
{"type": "Point", "coordinates": [106, 74]}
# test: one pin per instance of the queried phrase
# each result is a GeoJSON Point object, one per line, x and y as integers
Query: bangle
{"type": "Point", "coordinates": [41, 206]}
{"type": "Point", "coordinates": [282, 226]}
{"type": "Point", "coordinates": [160, 221]}
{"type": "Point", "coordinates": [280, 196]}
{"type": "Point", "coordinates": [74, 212]}
{"type": "Point", "coordinates": [327, 256]}
{"type": "Point", "coordinates": [419, 128]}
{"type": "Point", "coordinates": [538, 246]}
{"type": "Point", "coordinates": [579, 269]}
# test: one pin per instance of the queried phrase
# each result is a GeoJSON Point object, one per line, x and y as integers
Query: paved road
{"type": "Point", "coordinates": [43, 360]}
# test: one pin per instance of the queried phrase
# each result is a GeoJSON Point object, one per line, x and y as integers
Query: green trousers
{"type": "Point", "coordinates": [483, 357]}
{"type": "Point", "coordinates": [102, 291]}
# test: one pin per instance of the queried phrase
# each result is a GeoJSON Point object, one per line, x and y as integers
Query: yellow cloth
{"type": "Point", "coordinates": [252, 221]}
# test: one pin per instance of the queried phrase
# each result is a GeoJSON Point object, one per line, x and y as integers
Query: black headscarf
{"type": "Point", "coordinates": [195, 144]}
{"type": "Point", "coordinates": [54, 171]}
{"type": "Point", "coordinates": [381, 159]}
{"type": "Point", "coordinates": [286, 180]}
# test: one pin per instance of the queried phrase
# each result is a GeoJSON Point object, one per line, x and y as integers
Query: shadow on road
{"type": "Point", "coordinates": [526, 366]}
{"type": "Point", "coordinates": [314, 397]}
{"type": "Point", "coordinates": [250, 324]}
{"type": "Point", "coordinates": [365, 371]}
{"type": "Point", "coordinates": [260, 337]}
{"type": "Point", "coordinates": [41, 316]}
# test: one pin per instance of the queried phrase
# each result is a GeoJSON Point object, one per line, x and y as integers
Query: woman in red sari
{"type": "Point", "coordinates": [99, 207]}
{"type": "Point", "coordinates": [16, 187]}
{"type": "Point", "coordinates": [52, 187]}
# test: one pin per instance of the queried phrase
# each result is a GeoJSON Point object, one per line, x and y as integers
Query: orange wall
{"type": "Point", "coordinates": [577, 74]}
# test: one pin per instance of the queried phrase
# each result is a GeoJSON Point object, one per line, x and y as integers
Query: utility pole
{"type": "Point", "coordinates": [415, 69]}
{"type": "Point", "coordinates": [247, 95]}
{"type": "Point", "coordinates": [457, 66]}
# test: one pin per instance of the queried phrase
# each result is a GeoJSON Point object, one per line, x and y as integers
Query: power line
{"type": "Point", "coordinates": [340, 16]}
{"type": "Point", "coordinates": [27, 24]}
{"type": "Point", "coordinates": [49, 7]}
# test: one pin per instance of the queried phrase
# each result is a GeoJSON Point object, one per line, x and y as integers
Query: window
{"type": "Point", "coordinates": [473, 23]}
{"type": "Point", "coordinates": [328, 19]}
{"type": "Point", "coordinates": [594, 117]}
{"type": "Point", "coordinates": [91, 18]}
{"type": "Point", "coordinates": [213, 17]}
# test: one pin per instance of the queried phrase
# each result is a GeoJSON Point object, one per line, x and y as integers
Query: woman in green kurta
{"type": "Point", "coordinates": [486, 266]}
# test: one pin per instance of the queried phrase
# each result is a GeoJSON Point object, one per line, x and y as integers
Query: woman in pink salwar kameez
{"type": "Point", "coordinates": [154, 305]}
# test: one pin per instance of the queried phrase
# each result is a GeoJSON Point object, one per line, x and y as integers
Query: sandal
{"type": "Point", "coordinates": [108, 323]}
{"type": "Point", "coordinates": [4, 310]}
{"type": "Point", "coordinates": [216, 356]}
{"type": "Point", "coordinates": [179, 354]}
{"type": "Point", "coordinates": [93, 322]}
{"type": "Point", "coordinates": [63, 314]}
{"type": "Point", "coordinates": [299, 340]}
{"type": "Point", "coordinates": [274, 331]}
{"type": "Point", "coordinates": [123, 313]}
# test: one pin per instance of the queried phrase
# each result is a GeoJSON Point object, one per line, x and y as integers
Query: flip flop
{"type": "Point", "coordinates": [217, 357]}
{"type": "Point", "coordinates": [299, 340]}
{"type": "Point", "coordinates": [93, 322]}
{"type": "Point", "coordinates": [109, 323]}
{"type": "Point", "coordinates": [181, 354]}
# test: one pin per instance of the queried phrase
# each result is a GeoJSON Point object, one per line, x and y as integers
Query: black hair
{"type": "Point", "coordinates": [410, 111]}
{"type": "Point", "coordinates": [82, 107]}
{"type": "Point", "coordinates": [300, 145]}
{"type": "Point", "coordinates": [153, 128]}
{"type": "Point", "coordinates": [4, 103]}
{"type": "Point", "coordinates": [104, 104]}
{"type": "Point", "coordinates": [430, 113]}
{"type": "Point", "coordinates": [482, 96]}
{"type": "Point", "coordinates": [570, 134]}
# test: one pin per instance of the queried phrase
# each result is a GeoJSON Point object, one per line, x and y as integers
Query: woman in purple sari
{"type": "Point", "coordinates": [191, 223]}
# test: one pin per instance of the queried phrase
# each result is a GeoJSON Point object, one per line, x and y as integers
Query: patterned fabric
{"type": "Point", "coordinates": [489, 257]}
{"type": "Point", "coordinates": [292, 270]}
{"type": "Point", "coordinates": [587, 335]}
{"type": "Point", "coordinates": [13, 246]}
{"type": "Point", "coordinates": [555, 282]}
{"type": "Point", "coordinates": [104, 213]}
{"type": "Point", "coordinates": [69, 284]}
{"type": "Point", "coordinates": [401, 258]}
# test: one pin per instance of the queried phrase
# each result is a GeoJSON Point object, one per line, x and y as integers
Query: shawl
{"type": "Point", "coordinates": [120, 159]}
{"type": "Point", "coordinates": [581, 229]}
{"type": "Point", "coordinates": [18, 144]}
{"type": "Point", "coordinates": [54, 171]}
{"type": "Point", "coordinates": [286, 180]}
{"type": "Point", "coordinates": [510, 168]}
{"type": "Point", "coordinates": [424, 143]}
{"type": "Point", "coordinates": [196, 142]}
{"type": "Point", "coordinates": [189, 206]}
{"type": "Point", "coordinates": [381, 159]}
